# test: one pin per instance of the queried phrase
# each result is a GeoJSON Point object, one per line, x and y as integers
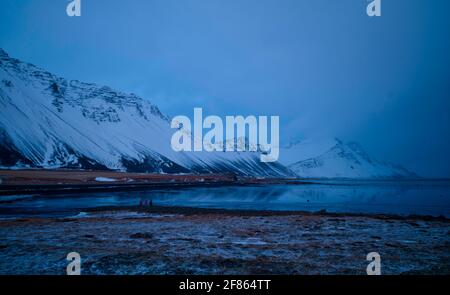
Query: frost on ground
{"type": "Point", "coordinates": [115, 242]}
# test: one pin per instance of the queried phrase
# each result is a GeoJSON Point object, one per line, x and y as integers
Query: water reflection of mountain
{"type": "Point", "coordinates": [317, 193]}
{"type": "Point", "coordinates": [402, 198]}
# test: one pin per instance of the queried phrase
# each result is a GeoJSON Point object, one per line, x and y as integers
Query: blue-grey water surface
{"type": "Point", "coordinates": [387, 197]}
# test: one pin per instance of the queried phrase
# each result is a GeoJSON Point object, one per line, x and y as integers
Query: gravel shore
{"type": "Point", "coordinates": [171, 240]}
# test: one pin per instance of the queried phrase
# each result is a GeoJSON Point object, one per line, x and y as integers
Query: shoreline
{"type": "Point", "coordinates": [184, 210]}
{"type": "Point", "coordinates": [76, 181]}
{"type": "Point", "coordinates": [45, 181]}
{"type": "Point", "coordinates": [202, 211]}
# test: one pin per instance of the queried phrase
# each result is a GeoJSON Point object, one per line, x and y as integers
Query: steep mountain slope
{"type": "Point", "coordinates": [300, 150]}
{"type": "Point", "coordinates": [49, 122]}
{"type": "Point", "coordinates": [347, 160]}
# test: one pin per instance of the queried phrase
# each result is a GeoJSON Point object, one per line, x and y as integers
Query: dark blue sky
{"type": "Point", "coordinates": [323, 66]}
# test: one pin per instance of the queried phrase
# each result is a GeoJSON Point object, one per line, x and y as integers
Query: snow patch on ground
{"type": "Point", "coordinates": [105, 179]}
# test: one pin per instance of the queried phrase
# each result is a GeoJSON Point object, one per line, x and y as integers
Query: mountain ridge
{"type": "Point", "coordinates": [50, 122]}
{"type": "Point", "coordinates": [348, 160]}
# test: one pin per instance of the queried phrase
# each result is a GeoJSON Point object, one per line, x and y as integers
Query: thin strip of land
{"type": "Point", "coordinates": [66, 181]}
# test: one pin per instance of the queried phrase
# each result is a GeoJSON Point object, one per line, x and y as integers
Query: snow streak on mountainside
{"type": "Point", "coordinates": [344, 160]}
{"type": "Point", "coordinates": [49, 122]}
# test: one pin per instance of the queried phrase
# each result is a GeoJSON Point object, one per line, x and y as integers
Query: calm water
{"type": "Point", "coordinates": [404, 197]}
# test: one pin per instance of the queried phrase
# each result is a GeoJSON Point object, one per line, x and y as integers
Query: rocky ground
{"type": "Point", "coordinates": [201, 241]}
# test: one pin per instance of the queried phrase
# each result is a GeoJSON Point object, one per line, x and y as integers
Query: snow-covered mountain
{"type": "Point", "coordinates": [50, 122]}
{"type": "Point", "coordinates": [336, 159]}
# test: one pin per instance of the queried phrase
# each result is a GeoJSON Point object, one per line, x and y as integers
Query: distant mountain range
{"type": "Point", "coordinates": [336, 159]}
{"type": "Point", "coordinates": [50, 122]}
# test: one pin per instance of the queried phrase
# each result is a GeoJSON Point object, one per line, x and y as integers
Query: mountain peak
{"type": "Point", "coordinates": [3, 53]}
{"type": "Point", "coordinates": [347, 160]}
{"type": "Point", "coordinates": [338, 141]}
